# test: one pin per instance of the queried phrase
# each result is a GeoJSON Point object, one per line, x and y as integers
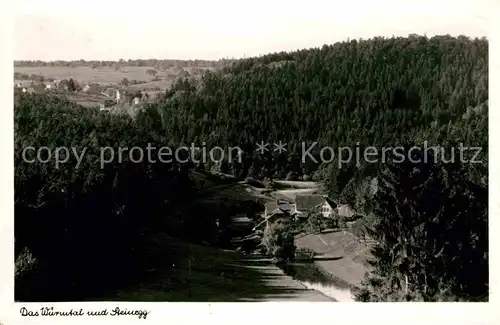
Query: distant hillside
{"type": "Point", "coordinates": [377, 92]}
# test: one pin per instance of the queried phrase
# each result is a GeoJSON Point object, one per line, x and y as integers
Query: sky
{"type": "Point", "coordinates": [186, 29]}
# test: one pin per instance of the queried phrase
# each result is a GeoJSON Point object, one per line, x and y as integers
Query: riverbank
{"type": "Point", "coordinates": [313, 277]}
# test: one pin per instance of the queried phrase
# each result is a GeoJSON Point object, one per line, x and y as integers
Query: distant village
{"type": "Point", "coordinates": [92, 95]}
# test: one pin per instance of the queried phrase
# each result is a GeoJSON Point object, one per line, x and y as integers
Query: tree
{"type": "Point", "coordinates": [316, 222]}
{"type": "Point", "coordinates": [278, 240]}
{"type": "Point", "coordinates": [124, 82]}
{"type": "Point", "coordinates": [72, 85]}
{"type": "Point", "coordinates": [431, 230]}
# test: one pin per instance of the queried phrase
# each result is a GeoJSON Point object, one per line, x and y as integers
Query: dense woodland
{"type": "Point", "coordinates": [430, 219]}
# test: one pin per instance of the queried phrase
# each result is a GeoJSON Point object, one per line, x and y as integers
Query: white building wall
{"type": "Point", "coordinates": [326, 210]}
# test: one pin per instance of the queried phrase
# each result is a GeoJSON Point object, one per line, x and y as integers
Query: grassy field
{"type": "Point", "coordinates": [342, 255]}
{"type": "Point", "coordinates": [109, 75]}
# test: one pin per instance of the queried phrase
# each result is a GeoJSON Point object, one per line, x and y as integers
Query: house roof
{"type": "Point", "coordinates": [277, 206]}
{"type": "Point", "coordinates": [276, 214]}
{"type": "Point", "coordinates": [308, 202]}
{"type": "Point", "coordinates": [346, 211]}
{"type": "Point", "coordinates": [270, 206]}
{"type": "Point", "coordinates": [331, 203]}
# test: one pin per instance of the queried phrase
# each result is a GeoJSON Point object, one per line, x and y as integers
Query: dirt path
{"type": "Point", "coordinates": [215, 275]}
{"type": "Point", "coordinates": [275, 278]}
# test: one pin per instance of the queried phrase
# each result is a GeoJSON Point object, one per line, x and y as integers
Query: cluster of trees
{"type": "Point", "coordinates": [33, 76]}
{"type": "Point", "coordinates": [430, 219]}
{"type": "Point", "coordinates": [85, 224]}
{"type": "Point", "coordinates": [432, 233]}
{"type": "Point", "coordinates": [360, 93]}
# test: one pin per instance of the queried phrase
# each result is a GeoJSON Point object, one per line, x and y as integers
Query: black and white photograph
{"type": "Point", "coordinates": [267, 151]}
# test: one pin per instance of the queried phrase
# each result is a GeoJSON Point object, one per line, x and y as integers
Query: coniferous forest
{"type": "Point", "coordinates": [430, 219]}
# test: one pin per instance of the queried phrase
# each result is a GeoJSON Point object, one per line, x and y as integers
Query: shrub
{"type": "Point", "coordinates": [25, 262]}
{"type": "Point", "coordinates": [278, 241]}
{"type": "Point", "coordinates": [316, 223]}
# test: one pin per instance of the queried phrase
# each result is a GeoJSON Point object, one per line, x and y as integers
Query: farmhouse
{"type": "Point", "coordinates": [93, 89]}
{"type": "Point", "coordinates": [106, 105]}
{"type": "Point", "coordinates": [306, 205]}
{"type": "Point", "coordinates": [274, 211]}
{"type": "Point", "coordinates": [110, 92]}
{"type": "Point", "coordinates": [62, 85]}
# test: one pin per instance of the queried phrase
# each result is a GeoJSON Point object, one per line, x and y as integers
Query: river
{"type": "Point", "coordinates": [311, 277]}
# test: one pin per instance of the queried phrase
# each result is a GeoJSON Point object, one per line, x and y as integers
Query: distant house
{"type": "Point", "coordinates": [110, 92]}
{"type": "Point", "coordinates": [48, 87]}
{"type": "Point", "coordinates": [114, 93]}
{"type": "Point", "coordinates": [307, 205]}
{"type": "Point", "coordinates": [107, 105]}
{"type": "Point", "coordinates": [137, 101]}
{"type": "Point", "coordinates": [62, 85]}
{"type": "Point", "coordinates": [92, 89]}
{"type": "Point", "coordinates": [303, 207]}
{"type": "Point", "coordinates": [274, 211]}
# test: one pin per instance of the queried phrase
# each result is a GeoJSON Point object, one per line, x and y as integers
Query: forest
{"type": "Point", "coordinates": [430, 219]}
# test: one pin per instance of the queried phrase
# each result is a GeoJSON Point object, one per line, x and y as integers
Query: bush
{"type": "Point", "coordinates": [331, 223]}
{"type": "Point", "coordinates": [25, 263]}
{"type": "Point", "coordinates": [278, 241]}
{"type": "Point", "coordinates": [316, 223]}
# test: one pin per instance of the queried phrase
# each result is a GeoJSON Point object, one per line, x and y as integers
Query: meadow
{"type": "Point", "coordinates": [109, 75]}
